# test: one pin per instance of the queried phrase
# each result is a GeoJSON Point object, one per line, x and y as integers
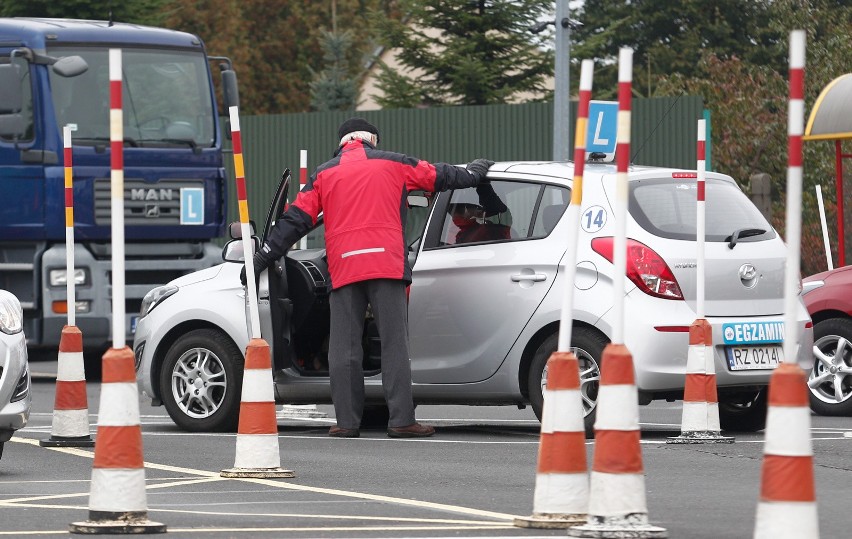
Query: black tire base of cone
{"type": "Point", "coordinates": [702, 437]}
{"type": "Point", "coordinates": [258, 473]}
{"type": "Point", "coordinates": [103, 522]}
{"type": "Point", "coordinates": [550, 521]}
{"type": "Point", "coordinates": [68, 441]}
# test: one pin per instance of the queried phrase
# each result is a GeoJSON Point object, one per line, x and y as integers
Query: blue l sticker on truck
{"type": "Point", "coordinates": [192, 205]}
{"type": "Point", "coordinates": [753, 332]}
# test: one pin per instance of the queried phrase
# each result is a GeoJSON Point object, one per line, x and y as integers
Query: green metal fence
{"type": "Point", "coordinates": [663, 134]}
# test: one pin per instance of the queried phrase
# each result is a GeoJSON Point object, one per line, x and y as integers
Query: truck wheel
{"type": "Point", "coordinates": [201, 380]}
{"type": "Point", "coordinates": [588, 346]}
{"type": "Point", "coordinates": [743, 412]}
{"type": "Point", "coordinates": [830, 381]}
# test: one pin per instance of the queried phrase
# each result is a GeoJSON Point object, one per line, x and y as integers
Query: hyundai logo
{"type": "Point", "coordinates": [748, 275]}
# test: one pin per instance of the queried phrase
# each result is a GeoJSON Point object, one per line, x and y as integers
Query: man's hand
{"type": "Point", "coordinates": [479, 167]}
{"type": "Point", "coordinates": [260, 261]}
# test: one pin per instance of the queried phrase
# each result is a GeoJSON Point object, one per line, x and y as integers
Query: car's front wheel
{"type": "Point", "coordinates": [200, 381]}
{"type": "Point", "coordinates": [830, 381]}
{"type": "Point", "coordinates": [588, 345]}
{"type": "Point", "coordinates": [743, 412]}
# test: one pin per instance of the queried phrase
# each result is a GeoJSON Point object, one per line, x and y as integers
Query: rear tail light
{"type": "Point", "coordinates": [648, 271]}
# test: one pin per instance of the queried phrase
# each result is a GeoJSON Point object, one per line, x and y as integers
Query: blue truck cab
{"type": "Point", "coordinates": [54, 73]}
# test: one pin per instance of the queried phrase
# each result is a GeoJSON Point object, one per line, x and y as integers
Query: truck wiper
{"type": "Point", "coordinates": [182, 141]}
{"type": "Point", "coordinates": [128, 141]}
{"type": "Point", "coordinates": [743, 233]}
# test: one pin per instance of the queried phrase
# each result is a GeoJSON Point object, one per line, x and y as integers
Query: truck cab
{"type": "Point", "coordinates": [54, 73]}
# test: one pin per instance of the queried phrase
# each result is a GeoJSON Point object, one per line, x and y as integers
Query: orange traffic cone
{"type": "Point", "coordinates": [617, 506]}
{"type": "Point", "coordinates": [71, 408]}
{"type": "Point", "coordinates": [117, 500]}
{"type": "Point", "coordinates": [787, 506]}
{"type": "Point", "coordinates": [700, 420]}
{"type": "Point", "coordinates": [257, 432]}
{"type": "Point", "coordinates": [562, 483]}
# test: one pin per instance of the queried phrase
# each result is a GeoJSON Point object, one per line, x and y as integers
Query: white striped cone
{"type": "Point", "coordinates": [787, 507]}
{"type": "Point", "coordinates": [117, 500]}
{"type": "Point", "coordinates": [562, 482]}
{"type": "Point", "coordinates": [70, 426]}
{"type": "Point", "coordinates": [617, 505]}
{"type": "Point", "coordinates": [700, 421]}
{"type": "Point", "coordinates": [257, 434]}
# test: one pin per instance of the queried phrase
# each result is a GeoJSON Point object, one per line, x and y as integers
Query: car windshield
{"type": "Point", "coordinates": [666, 207]}
{"type": "Point", "coordinates": [166, 98]}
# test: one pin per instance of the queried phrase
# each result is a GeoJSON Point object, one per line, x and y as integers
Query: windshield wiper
{"type": "Point", "coordinates": [182, 141]}
{"type": "Point", "coordinates": [128, 141]}
{"type": "Point", "coordinates": [743, 233]}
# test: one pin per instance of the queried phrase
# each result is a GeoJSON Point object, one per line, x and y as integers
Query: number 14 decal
{"type": "Point", "coordinates": [593, 219]}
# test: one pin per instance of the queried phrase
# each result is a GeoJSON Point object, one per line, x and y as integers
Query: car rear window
{"type": "Point", "coordinates": [666, 207]}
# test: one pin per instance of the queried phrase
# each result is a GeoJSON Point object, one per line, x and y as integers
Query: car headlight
{"type": "Point", "coordinates": [59, 277]}
{"type": "Point", "coordinates": [154, 298]}
{"type": "Point", "coordinates": [11, 314]}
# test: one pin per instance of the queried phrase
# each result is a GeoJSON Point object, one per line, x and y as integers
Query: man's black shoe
{"type": "Point", "coordinates": [415, 430]}
{"type": "Point", "coordinates": [339, 432]}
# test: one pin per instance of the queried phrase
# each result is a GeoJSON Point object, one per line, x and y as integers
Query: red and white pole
{"type": "Point", "coordinates": [303, 180]}
{"type": "Point", "coordinates": [622, 162]}
{"type": "Point", "coordinates": [71, 301]}
{"type": "Point", "coordinates": [701, 219]}
{"type": "Point", "coordinates": [242, 201]}
{"type": "Point", "coordinates": [116, 142]}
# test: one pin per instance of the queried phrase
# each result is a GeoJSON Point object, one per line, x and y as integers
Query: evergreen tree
{"type": "Point", "coordinates": [150, 12]}
{"type": "Point", "coordinates": [462, 52]}
{"type": "Point", "coordinates": [333, 88]}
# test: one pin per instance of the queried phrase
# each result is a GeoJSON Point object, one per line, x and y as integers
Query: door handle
{"type": "Point", "coordinates": [534, 277]}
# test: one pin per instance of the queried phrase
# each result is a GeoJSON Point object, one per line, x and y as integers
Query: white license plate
{"type": "Point", "coordinates": [133, 320]}
{"type": "Point", "coordinates": [748, 358]}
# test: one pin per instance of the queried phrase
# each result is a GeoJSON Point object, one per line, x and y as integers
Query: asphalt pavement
{"type": "Point", "coordinates": [470, 480]}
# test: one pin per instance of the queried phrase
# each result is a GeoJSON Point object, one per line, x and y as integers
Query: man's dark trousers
{"type": "Point", "coordinates": [345, 354]}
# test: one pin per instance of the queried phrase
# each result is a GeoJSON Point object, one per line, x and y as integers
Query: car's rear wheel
{"type": "Point", "coordinates": [830, 380]}
{"type": "Point", "coordinates": [200, 381]}
{"type": "Point", "coordinates": [743, 412]}
{"type": "Point", "coordinates": [588, 345]}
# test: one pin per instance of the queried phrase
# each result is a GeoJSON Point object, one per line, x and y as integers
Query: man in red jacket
{"type": "Point", "coordinates": [362, 195]}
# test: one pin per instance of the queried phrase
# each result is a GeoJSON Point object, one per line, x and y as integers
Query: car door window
{"type": "Point", "coordinates": [553, 203]}
{"type": "Point", "coordinates": [491, 212]}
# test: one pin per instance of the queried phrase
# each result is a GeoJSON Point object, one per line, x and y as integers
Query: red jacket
{"type": "Point", "coordinates": [362, 194]}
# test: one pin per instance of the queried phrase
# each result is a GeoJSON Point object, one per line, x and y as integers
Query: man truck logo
{"type": "Point", "coordinates": [149, 195]}
{"type": "Point", "coordinates": [152, 210]}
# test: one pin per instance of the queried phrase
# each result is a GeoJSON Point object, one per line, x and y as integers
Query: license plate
{"type": "Point", "coordinates": [747, 358]}
{"type": "Point", "coordinates": [133, 320]}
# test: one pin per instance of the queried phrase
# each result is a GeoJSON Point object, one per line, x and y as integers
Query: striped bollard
{"type": "Point", "coordinates": [303, 180]}
{"type": "Point", "coordinates": [70, 427]}
{"type": "Point", "coordinates": [617, 506]}
{"type": "Point", "coordinates": [257, 452]}
{"type": "Point", "coordinates": [787, 507]}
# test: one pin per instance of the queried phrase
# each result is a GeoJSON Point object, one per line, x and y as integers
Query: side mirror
{"type": "Point", "coordinates": [233, 250]}
{"type": "Point", "coordinates": [417, 201]}
{"type": "Point", "coordinates": [230, 90]}
{"type": "Point", "coordinates": [70, 66]}
{"type": "Point", "coordinates": [11, 96]}
{"type": "Point", "coordinates": [235, 230]}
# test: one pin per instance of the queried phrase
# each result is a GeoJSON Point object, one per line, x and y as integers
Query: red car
{"type": "Point", "coordinates": [828, 298]}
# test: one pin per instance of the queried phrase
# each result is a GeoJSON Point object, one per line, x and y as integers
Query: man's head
{"type": "Point", "coordinates": [358, 128]}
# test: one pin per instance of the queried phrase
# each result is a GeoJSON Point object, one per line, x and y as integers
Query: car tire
{"type": "Point", "coordinates": [743, 412]}
{"type": "Point", "coordinates": [588, 345]}
{"type": "Point", "coordinates": [1, 449]}
{"type": "Point", "coordinates": [375, 416]}
{"type": "Point", "coordinates": [210, 361]}
{"type": "Point", "coordinates": [824, 398]}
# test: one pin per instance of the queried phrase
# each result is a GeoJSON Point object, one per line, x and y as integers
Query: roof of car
{"type": "Point", "coordinates": [565, 169]}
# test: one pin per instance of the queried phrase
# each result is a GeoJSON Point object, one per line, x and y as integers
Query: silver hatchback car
{"type": "Point", "coordinates": [15, 398]}
{"type": "Point", "coordinates": [485, 300]}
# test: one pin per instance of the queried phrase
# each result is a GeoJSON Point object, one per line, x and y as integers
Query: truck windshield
{"type": "Point", "coordinates": [166, 97]}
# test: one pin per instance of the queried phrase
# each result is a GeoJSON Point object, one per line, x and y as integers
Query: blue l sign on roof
{"type": "Point", "coordinates": [602, 128]}
{"type": "Point", "coordinates": [192, 205]}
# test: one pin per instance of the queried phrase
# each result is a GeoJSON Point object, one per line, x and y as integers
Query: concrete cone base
{"type": "Point", "coordinates": [117, 523]}
{"type": "Point", "coordinates": [700, 437]}
{"type": "Point", "coordinates": [258, 473]}
{"type": "Point", "coordinates": [627, 527]}
{"type": "Point", "coordinates": [68, 441]}
{"type": "Point", "coordinates": [551, 521]}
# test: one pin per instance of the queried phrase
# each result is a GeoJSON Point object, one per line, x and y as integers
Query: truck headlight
{"type": "Point", "coordinates": [11, 314]}
{"type": "Point", "coordinates": [154, 298]}
{"type": "Point", "coordinates": [59, 277]}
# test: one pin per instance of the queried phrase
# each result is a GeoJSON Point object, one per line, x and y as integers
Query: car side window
{"type": "Point", "coordinates": [554, 201]}
{"type": "Point", "coordinates": [17, 123]}
{"type": "Point", "coordinates": [491, 212]}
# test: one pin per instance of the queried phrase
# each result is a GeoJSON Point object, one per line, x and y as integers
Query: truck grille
{"type": "Point", "coordinates": [145, 203]}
